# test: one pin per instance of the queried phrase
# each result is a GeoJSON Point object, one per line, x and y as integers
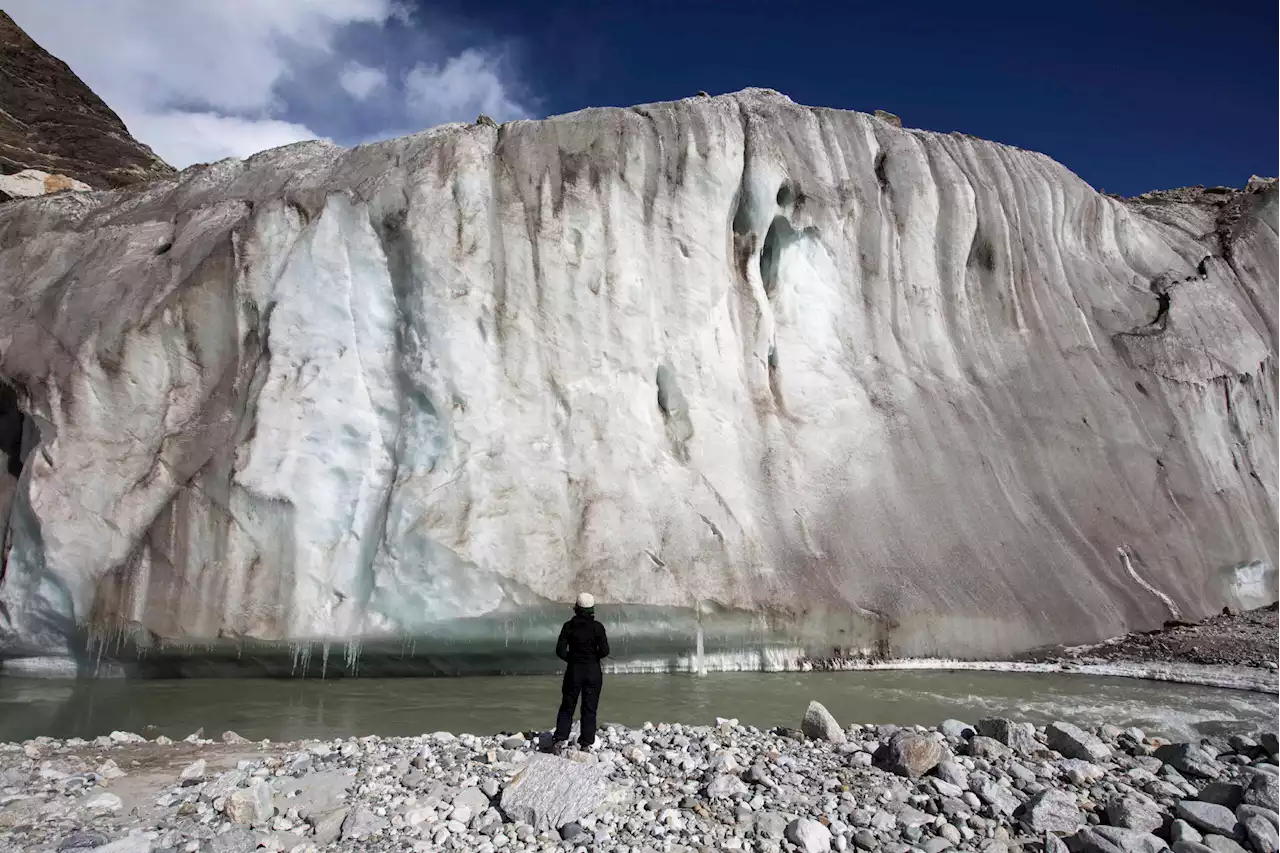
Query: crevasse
{"type": "Point", "coordinates": [792, 380]}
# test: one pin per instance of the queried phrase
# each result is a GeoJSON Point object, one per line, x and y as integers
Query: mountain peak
{"type": "Point", "coordinates": [52, 122]}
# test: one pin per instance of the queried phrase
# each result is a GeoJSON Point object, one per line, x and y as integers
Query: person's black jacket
{"type": "Point", "coordinates": [582, 641]}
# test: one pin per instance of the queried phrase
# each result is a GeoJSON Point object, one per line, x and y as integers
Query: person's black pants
{"type": "Point", "coordinates": [584, 681]}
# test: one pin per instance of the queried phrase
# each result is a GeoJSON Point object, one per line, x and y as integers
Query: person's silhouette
{"type": "Point", "coordinates": [582, 645]}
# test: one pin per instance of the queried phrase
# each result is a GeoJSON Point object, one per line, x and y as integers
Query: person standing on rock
{"type": "Point", "coordinates": [582, 645]}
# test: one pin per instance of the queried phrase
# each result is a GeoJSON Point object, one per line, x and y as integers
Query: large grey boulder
{"type": "Point", "coordinates": [1222, 844]}
{"type": "Point", "coordinates": [809, 836]}
{"type": "Point", "coordinates": [1075, 742]}
{"type": "Point", "coordinates": [910, 754]}
{"type": "Point", "coordinates": [361, 823]}
{"type": "Point", "coordinates": [1261, 833]}
{"type": "Point", "coordinates": [1264, 791]}
{"type": "Point", "coordinates": [1208, 817]}
{"type": "Point", "coordinates": [1000, 798]}
{"type": "Point", "coordinates": [135, 843]}
{"type": "Point", "coordinates": [1226, 794]}
{"type": "Point", "coordinates": [1052, 810]}
{"type": "Point", "coordinates": [1189, 759]}
{"type": "Point", "coordinates": [1135, 812]}
{"type": "Point", "coordinates": [956, 729]}
{"type": "Point", "coordinates": [1113, 839]}
{"type": "Point", "coordinates": [818, 724]}
{"type": "Point", "coordinates": [1020, 737]}
{"type": "Point", "coordinates": [548, 792]}
{"type": "Point", "coordinates": [250, 806]}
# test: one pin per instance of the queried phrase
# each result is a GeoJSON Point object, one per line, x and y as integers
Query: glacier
{"type": "Point", "coordinates": [769, 380]}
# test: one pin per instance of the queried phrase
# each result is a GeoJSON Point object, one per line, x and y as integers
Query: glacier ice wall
{"type": "Point", "coordinates": [795, 371]}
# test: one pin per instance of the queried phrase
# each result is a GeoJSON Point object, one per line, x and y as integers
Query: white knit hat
{"type": "Point", "coordinates": [586, 601]}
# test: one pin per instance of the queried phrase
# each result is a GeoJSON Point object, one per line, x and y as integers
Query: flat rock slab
{"type": "Point", "coordinates": [549, 792]}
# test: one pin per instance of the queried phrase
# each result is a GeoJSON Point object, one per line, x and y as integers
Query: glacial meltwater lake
{"type": "Point", "coordinates": [290, 709]}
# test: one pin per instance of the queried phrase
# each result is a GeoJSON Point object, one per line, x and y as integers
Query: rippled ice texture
{"type": "Point", "coordinates": [835, 383]}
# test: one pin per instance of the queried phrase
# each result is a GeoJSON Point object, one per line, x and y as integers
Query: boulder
{"type": "Point", "coordinates": [1190, 847]}
{"type": "Point", "coordinates": [193, 773]}
{"type": "Point", "coordinates": [1052, 810]}
{"type": "Point", "coordinates": [1180, 830]}
{"type": "Point", "coordinates": [250, 806]}
{"type": "Point", "coordinates": [1189, 759]}
{"type": "Point", "coordinates": [471, 798]}
{"type": "Point", "coordinates": [223, 785]}
{"type": "Point", "coordinates": [981, 746]}
{"type": "Point", "coordinates": [949, 771]}
{"type": "Point", "coordinates": [1001, 799]}
{"type": "Point", "coordinates": [1264, 791]}
{"type": "Point", "coordinates": [909, 754]}
{"type": "Point", "coordinates": [809, 836]}
{"type": "Point", "coordinates": [1208, 817]}
{"type": "Point", "coordinates": [1222, 844]}
{"type": "Point", "coordinates": [1020, 737]}
{"type": "Point", "coordinates": [1112, 839]}
{"type": "Point", "coordinates": [1261, 833]}
{"type": "Point", "coordinates": [136, 843]}
{"type": "Point", "coordinates": [1074, 742]}
{"type": "Point", "coordinates": [818, 724]}
{"type": "Point", "coordinates": [327, 826]}
{"type": "Point", "coordinates": [104, 802]}
{"type": "Point", "coordinates": [1247, 811]}
{"type": "Point", "coordinates": [30, 183]}
{"type": "Point", "coordinates": [548, 792]}
{"type": "Point", "coordinates": [82, 840]}
{"type": "Point", "coordinates": [1226, 794]}
{"type": "Point", "coordinates": [361, 823]}
{"type": "Point", "coordinates": [1135, 812]}
{"type": "Point", "coordinates": [956, 729]}
{"type": "Point", "coordinates": [725, 786]}
{"type": "Point", "coordinates": [1081, 772]}
{"type": "Point", "coordinates": [888, 118]}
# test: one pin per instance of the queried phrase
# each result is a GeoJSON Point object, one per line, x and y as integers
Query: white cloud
{"type": "Point", "coordinates": [361, 81]}
{"type": "Point", "coordinates": [201, 79]}
{"type": "Point", "coordinates": [465, 86]}
{"type": "Point", "coordinates": [193, 137]}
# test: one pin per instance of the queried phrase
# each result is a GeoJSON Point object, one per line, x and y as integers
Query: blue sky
{"type": "Point", "coordinates": [1130, 95]}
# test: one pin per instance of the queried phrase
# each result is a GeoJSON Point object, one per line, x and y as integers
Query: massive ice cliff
{"type": "Point", "coordinates": [770, 378]}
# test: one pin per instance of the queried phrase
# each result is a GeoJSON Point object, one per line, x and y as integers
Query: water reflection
{"type": "Point", "coordinates": [286, 709]}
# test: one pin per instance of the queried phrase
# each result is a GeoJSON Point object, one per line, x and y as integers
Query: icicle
{"type": "Point", "coordinates": [700, 665]}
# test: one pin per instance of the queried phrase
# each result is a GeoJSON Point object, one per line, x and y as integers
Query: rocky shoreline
{"type": "Point", "coordinates": [998, 786]}
{"type": "Point", "coordinates": [1249, 639]}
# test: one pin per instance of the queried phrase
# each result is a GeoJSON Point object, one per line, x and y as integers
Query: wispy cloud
{"type": "Point", "coordinates": [204, 80]}
{"type": "Point", "coordinates": [464, 86]}
{"type": "Point", "coordinates": [361, 81]}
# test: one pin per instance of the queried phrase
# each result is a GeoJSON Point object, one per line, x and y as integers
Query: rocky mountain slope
{"type": "Point", "coordinates": [770, 380]}
{"type": "Point", "coordinates": [52, 122]}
